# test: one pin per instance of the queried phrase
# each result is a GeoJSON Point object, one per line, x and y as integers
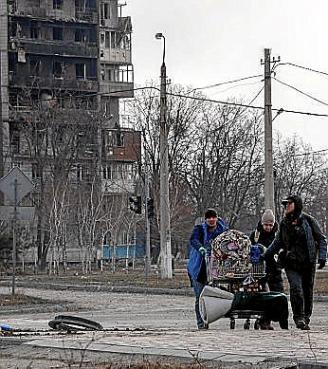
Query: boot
{"type": "Point", "coordinates": [266, 325]}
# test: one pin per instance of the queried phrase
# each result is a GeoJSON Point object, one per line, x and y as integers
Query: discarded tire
{"type": "Point", "coordinates": [74, 323]}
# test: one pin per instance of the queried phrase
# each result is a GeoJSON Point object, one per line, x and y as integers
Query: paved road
{"type": "Point", "coordinates": [164, 325]}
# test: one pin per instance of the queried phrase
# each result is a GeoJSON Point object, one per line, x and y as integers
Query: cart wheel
{"type": "Point", "coordinates": [232, 323]}
{"type": "Point", "coordinates": [247, 324]}
{"type": "Point", "coordinates": [257, 324]}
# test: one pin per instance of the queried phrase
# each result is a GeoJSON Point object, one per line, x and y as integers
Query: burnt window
{"type": "Point", "coordinates": [34, 67]}
{"type": "Point", "coordinates": [107, 39]}
{"type": "Point", "coordinates": [57, 4]}
{"type": "Point", "coordinates": [90, 4]}
{"type": "Point", "coordinates": [81, 35]}
{"type": "Point", "coordinates": [119, 138]}
{"type": "Point", "coordinates": [79, 5]}
{"type": "Point", "coordinates": [92, 35]}
{"type": "Point", "coordinates": [57, 69]}
{"type": "Point", "coordinates": [80, 71]}
{"type": "Point", "coordinates": [14, 138]}
{"type": "Point", "coordinates": [12, 65]}
{"type": "Point", "coordinates": [36, 171]}
{"type": "Point", "coordinates": [105, 11]}
{"type": "Point", "coordinates": [108, 172]}
{"type": "Point", "coordinates": [34, 30]}
{"type": "Point", "coordinates": [92, 69]}
{"type": "Point", "coordinates": [57, 33]}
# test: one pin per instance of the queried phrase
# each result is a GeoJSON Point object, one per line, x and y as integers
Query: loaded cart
{"type": "Point", "coordinates": [236, 284]}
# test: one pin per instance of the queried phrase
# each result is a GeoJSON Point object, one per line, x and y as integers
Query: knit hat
{"type": "Point", "coordinates": [211, 213]}
{"type": "Point", "coordinates": [268, 217]}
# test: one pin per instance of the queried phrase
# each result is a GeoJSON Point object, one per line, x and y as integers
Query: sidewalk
{"type": "Point", "coordinates": [164, 326]}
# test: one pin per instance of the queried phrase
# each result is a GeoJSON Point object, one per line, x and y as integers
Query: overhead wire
{"type": "Point", "coordinates": [247, 105]}
{"type": "Point", "coordinates": [300, 91]}
{"type": "Point", "coordinates": [302, 67]}
{"type": "Point", "coordinates": [225, 83]}
{"type": "Point", "coordinates": [216, 101]}
{"type": "Point", "coordinates": [312, 152]}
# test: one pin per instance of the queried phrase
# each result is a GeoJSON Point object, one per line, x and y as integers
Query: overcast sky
{"type": "Point", "coordinates": [213, 41]}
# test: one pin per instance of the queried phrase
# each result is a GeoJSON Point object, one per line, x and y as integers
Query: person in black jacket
{"type": "Point", "coordinates": [300, 239]}
{"type": "Point", "coordinates": [264, 234]}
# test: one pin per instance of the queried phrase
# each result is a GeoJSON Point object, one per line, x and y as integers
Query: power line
{"type": "Point", "coordinates": [300, 91]}
{"type": "Point", "coordinates": [312, 152]}
{"type": "Point", "coordinates": [247, 105]}
{"type": "Point", "coordinates": [302, 67]}
{"type": "Point", "coordinates": [256, 96]}
{"type": "Point", "coordinates": [225, 83]}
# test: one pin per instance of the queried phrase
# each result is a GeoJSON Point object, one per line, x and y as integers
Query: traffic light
{"type": "Point", "coordinates": [135, 204]}
{"type": "Point", "coordinates": [150, 208]}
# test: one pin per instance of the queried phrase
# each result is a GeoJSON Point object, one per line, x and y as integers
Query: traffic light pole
{"type": "Point", "coordinates": [148, 260]}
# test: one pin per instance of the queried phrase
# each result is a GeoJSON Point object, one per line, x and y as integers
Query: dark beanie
{"type": "Point", "coordinates": [210, 213]}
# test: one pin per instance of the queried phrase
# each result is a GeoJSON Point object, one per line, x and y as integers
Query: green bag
{"type": "Point", "coordinates": [274, 305]}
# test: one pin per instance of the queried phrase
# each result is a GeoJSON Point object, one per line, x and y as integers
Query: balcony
{"type": "Point", "coordinates": [32, 12]}
{"type": "Point", "coordinates": [53, 83]}
{"type": "Point", "coordinates": [87, 15]}
{"type": "Point", "coordinates": [70, 49]}
{"type": "Point", "coordinates": [117, 89]}
{"type": "Point", "coordinates": [116, 56]}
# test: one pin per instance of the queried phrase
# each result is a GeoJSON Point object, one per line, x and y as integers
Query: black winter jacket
{"type": "Point", "coordinates": [316, 242]}
{"type": "Point", "coordinates": [265, 238]}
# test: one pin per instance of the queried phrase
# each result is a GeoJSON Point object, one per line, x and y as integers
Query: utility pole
{"type": "Point", "coordinates": [4, 104]}
{"type": "Point", "coordinates": [165, 222]}
{"type": "Point", "coordinates": [268, 166]}
{"type": "Point", "coordinates": [147, 264]}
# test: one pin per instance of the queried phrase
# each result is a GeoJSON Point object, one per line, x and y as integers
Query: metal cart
{"type": "Point", "coordinates": [238, 276]}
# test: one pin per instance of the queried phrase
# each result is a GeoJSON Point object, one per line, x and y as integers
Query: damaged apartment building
{"type": "Point", "coordinates": [71, 58]}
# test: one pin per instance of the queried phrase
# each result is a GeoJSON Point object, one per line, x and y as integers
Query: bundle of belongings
{"type": "Point", "coordinates": [232, 251]}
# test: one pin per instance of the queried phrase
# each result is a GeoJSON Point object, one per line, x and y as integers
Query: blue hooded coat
{"type": "Point", "coordinates": [200, 237]}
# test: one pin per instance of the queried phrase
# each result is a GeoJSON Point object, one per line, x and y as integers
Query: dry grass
{"type": "Point", "coordinates": [19, 299]}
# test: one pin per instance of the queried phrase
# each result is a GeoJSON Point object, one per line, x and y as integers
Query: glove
{"type": "Point", "coordinates": [322, 263]}
{"type": "Point", "coordinates": [202, 250]}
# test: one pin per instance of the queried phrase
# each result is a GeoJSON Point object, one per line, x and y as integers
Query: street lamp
{"type": "Point", "coordinates": [165, 221]}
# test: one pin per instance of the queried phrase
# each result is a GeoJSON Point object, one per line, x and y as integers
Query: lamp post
{"type": "Point", "coordinates": [165, 222]}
